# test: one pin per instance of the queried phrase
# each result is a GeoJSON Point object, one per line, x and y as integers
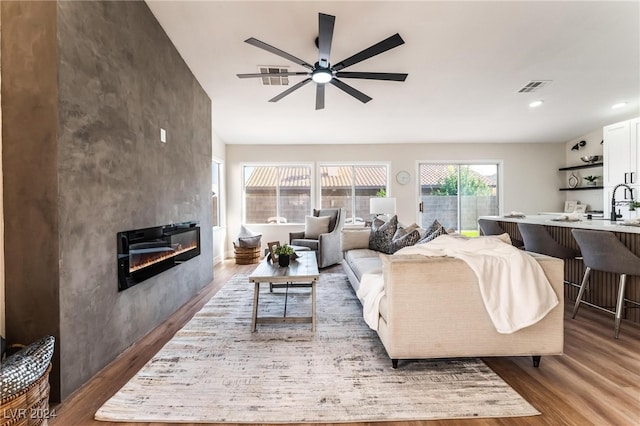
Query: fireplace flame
{"type": "Point", "coordinates": [149, 259]}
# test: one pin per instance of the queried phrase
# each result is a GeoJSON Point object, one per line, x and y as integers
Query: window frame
{"type": "Point", "coordinates": [352, 164]}
{"type": "Point", "coordinates": [220, 164]}
{"type": "Point", "coordinates": [243, 167]}
{"type": "Point", "coordinates": [499, 181]}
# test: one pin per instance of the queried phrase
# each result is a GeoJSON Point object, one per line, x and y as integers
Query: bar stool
{"type": "Point", "coordinates": [491, 227]}
{"type": "Point", "coordinates": [538, 240]}
{"type": "Point", "coordinates": [603, 251]}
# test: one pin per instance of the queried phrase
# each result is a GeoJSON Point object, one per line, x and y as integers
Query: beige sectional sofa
{"type": "Point", "coordinates": [432, 307]}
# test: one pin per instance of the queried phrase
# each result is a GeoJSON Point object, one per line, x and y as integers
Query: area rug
{"type": "Point", "coordinates": [216, 370]}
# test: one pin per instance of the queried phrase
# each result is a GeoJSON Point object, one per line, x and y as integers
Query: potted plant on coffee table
{"type": "Point", "coordinates": [284, 253]}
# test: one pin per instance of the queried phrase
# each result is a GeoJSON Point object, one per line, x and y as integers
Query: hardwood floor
{"type": "Point", "coordinates": [596, 381]}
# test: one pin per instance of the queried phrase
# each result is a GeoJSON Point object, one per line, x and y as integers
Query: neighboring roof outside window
{"type": "Point", "coordinates": [331, 177]}
{"type": "Point", "coordinates": [435, 174]}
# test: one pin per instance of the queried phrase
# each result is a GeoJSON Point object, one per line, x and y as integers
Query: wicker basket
{"type": "Point", "coordinates": [246, 255]}
{"type": "Point", "coordinates": [30, 407]}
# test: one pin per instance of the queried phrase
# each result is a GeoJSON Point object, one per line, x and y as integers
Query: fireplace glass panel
{"type": "Point", "coordinates": [143, 253]}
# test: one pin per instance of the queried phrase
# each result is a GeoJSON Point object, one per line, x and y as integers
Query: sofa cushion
{"type": "Point", "coordinates": [363, 261]}
{"type": "Point", "coordinates": [314, 226]}
{"type": "Point", "coordinates": [25, 366]}
{"type": "Point", "coordinates": [402, 238]}
{"type": "Point", "coordinates": [381, 237]}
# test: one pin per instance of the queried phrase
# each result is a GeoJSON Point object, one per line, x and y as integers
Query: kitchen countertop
{"type": "Point", "coordinates": [598, 224]}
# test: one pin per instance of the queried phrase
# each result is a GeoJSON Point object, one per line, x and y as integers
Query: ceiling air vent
{"type": "Point", "coordinates": [533, 86]}
{"type": "Point", "coordinates": [273, 81]}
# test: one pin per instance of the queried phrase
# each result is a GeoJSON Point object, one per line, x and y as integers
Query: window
{"type": "Point", "coordinates": [215, 192]}
{"type": "Point", "coordinates": [277, 194]}
{"type": "Point", "coordinates": [351, 187]}
{"type": "Point", "coordinates": [457, 194]}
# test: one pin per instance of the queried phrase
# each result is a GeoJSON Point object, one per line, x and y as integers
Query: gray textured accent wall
{"type": "Point", "coordinates": [119, 81]}
{"type": "Point", "coordinates": [29, 157]}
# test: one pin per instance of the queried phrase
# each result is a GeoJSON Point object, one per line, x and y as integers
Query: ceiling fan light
{"type": "Point", "coordinates": [322, 76]}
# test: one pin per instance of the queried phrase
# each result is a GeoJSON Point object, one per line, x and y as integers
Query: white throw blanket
{"type": "Point", "coordinates": [514, 288]}
{"type": "Point", "coordinates": [370, 293]}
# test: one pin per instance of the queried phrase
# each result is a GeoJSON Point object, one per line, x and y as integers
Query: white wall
{"type": "Point", "coordinates": [592, 197]}
{"type": "Point", "coordinates": [220, 233]}
{"type": "Point", "coordinates": [530, 174]}
{"type": "Point", "coordinates": [2, 301]}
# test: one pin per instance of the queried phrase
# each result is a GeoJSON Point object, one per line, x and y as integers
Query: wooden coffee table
{"type": "Point", "coordinates": [301, 272]}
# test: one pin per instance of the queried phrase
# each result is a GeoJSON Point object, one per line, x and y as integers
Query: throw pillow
{"type": "Point", "coordinates": [402, 238]}
{"type": "Point", "coordinates": [413, 226]}
{"type": "Point", "coordinates": [314, 226]}
{"type": "Point", "coordinates": [435, 230]}
{"type": "Point", "coordinates": [25, 366]}
{"type": "Point", "coordinates": [247, 238]}
{"type": "Point", "coordinates": [354, 239]}
{"type": "Point", "coordinates": [381, 236]}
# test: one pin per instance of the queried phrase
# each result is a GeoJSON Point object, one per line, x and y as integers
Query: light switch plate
{"type": "Point", "coordinates": [163, 135]}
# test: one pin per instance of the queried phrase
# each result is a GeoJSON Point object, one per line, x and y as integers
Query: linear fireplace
{"type": "Point", "coordinates": [143, 253]}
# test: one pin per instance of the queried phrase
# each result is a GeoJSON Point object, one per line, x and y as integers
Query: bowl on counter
{"type": "Point", "coordinates": [591, 158]}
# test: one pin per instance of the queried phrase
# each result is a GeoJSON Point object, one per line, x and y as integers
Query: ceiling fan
{"type": "Point", "coordinates": [322, 72]}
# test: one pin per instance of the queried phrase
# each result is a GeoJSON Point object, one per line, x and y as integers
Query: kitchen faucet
{"type": "Point", "coordinates": [615, 216]}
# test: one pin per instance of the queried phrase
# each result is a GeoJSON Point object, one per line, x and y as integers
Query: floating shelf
{"type": "Point", "coordinates": [585, 166]}
{"type": "Point", "coordinates": [581, 188]}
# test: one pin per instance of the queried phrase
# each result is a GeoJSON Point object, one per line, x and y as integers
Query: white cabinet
{"type": "Point", "coordinates": [621, 163]}
{"type": "Point", "coordinates": [620, 154]}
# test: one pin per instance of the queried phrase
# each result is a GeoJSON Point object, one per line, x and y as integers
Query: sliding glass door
{"type": "Point", "coordinates": [457, 194]}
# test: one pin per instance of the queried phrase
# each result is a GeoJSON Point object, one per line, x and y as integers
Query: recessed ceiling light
{"type": "Point", "coordinates": [618, 105]}
{"type": "Point", "coordinates": [535, 104]}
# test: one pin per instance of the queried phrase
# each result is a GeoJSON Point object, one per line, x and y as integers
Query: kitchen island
{"type": "Point", "coordinates": [603, 290]}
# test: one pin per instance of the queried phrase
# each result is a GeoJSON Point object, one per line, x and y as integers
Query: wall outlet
{"type": "Point", "coordinates": [163, 135]}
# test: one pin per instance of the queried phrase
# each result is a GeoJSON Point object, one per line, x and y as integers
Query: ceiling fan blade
{"type": "Point", "coordinates": [289, 90]}
{"type": "Point", "coordinates": [378, 48]}
{"type": "Point", "coordinates": [350, 90]}
{"type": "Point", "coordinates": [271, 74]}
{"type": "Point", "coordinates": [373, 75]}
{"type": "Point", "coordinates": [319, 96]}
{"type": "Point", "coordinates": [325, 35]}
{"type": "Point", "coordinates": [262, 45]}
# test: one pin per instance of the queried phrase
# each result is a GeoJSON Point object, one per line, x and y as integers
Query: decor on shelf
{"type": "Point", "coordinates": [579, 145]}
{"type": "Point", "coordinates": [382, 206]}
{"type": "Point", "coordinates": [591, 158]}
{"type": "Point", "coordinates": [573, 180]}
{"type": "Point", "coordinates": [284, 253]}
{"type": "Point", "coordinates": [592, 180]}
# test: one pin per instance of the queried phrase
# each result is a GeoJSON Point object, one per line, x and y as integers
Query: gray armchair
{"type": "Point", "coordinates": [327, 246]}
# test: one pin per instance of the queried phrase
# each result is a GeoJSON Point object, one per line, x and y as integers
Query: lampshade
{"type": "Point", "coordinates": [382, 205]}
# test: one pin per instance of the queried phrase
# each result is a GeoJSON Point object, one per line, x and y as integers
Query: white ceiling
{"type": "Point", "coordinates": [465, 60]}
